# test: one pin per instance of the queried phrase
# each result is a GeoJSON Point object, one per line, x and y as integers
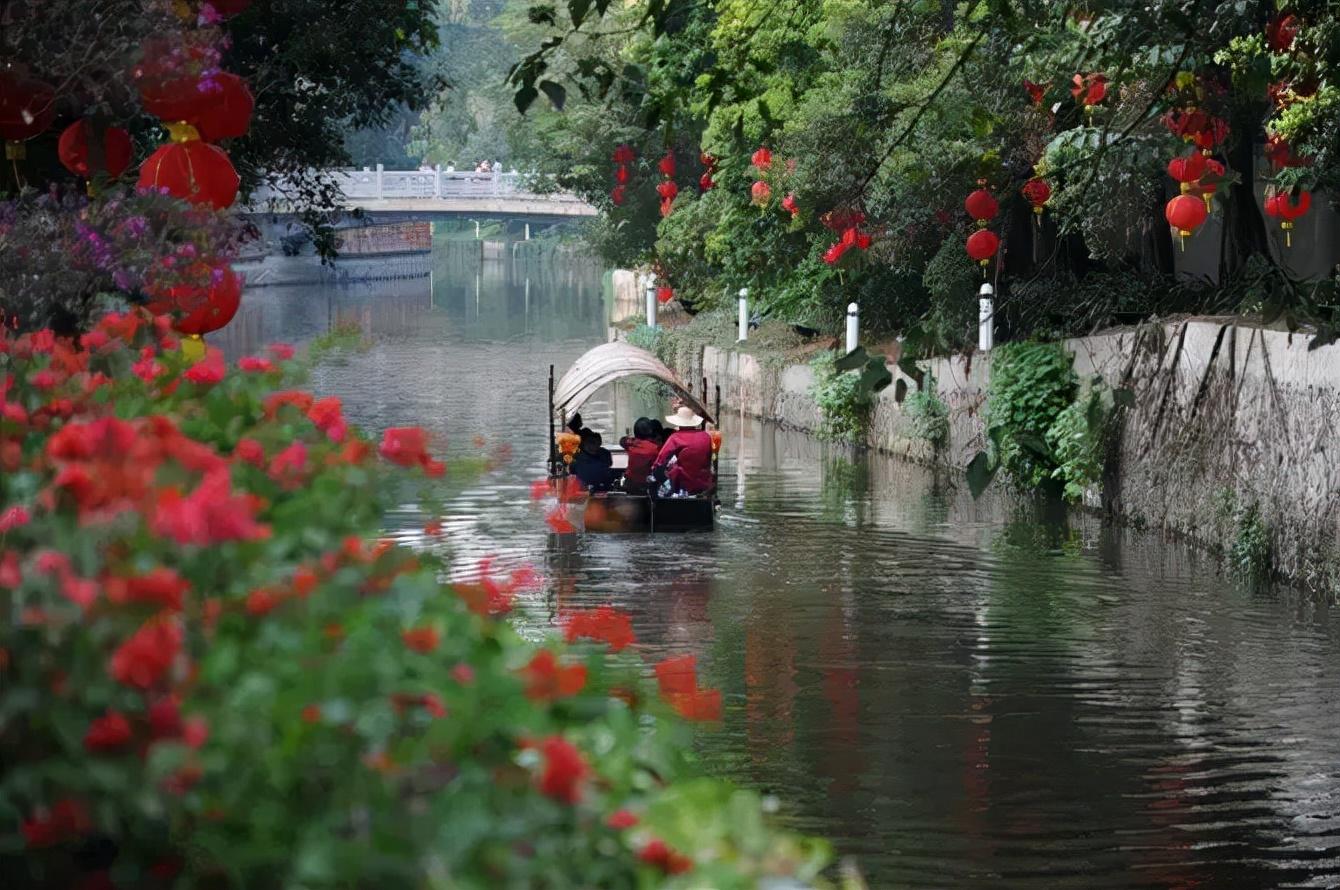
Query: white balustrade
{"type": "Point", "coordinates": [366, 185]}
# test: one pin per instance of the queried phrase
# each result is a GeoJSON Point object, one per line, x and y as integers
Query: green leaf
{"type": "Point", "coordinates": [524, 97]}
{"type": "Point", "coordinates": [578, 9]}
{"type": "Point", "coordinates": [555, 92]}
{"type": "Point", "coordinates": [980, 472]}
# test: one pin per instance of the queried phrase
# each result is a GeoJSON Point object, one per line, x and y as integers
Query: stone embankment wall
{"type": "Point", "coordinates": [1226, 416]}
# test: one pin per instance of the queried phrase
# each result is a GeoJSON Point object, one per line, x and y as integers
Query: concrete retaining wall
{"type": "Point", "coordinates": [1225, 416]}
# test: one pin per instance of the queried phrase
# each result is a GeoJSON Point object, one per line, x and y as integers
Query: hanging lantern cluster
{"type": "Point", "coordinates": [27, 109]}
{"type": "Point", "coordinates": [623, 156]}
{"type": "Point", "coordinates": [982, 206]}
{"type": "Point", "coordinates": [667, 188]}
{"type": "Point", "coordinates": [1037, 191]}
{"type": "Point", "coordinates": [1187, 211]}
{"type": "Point", "coordinates": [705, 182]}
{"type": "Point", "coordinates": [760, 193]}
{"type": "Point", "coordinates": [1287, 207]}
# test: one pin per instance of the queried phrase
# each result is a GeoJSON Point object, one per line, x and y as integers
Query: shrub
{"type": "Point", "coordinates": [844, 404]}
{"type": "Point", "coordinates": [1076, 439]}
{"type": "Point", "coordinates": [929, 415]}
{"type": "Point", "coordinates": [215, 673]}
{"type": "Point", "coordinates": [1249, 554]}
{"type": "Point", "coordinates": [1031, 384]}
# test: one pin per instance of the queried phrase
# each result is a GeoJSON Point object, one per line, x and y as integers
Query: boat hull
{"type": "Point", "coordinates": [616, 512]}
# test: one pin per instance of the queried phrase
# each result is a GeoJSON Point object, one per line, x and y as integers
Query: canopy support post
{"type": "Point", "coordinates": [704, 399]}
{"type": "Point", "coordinates": [552, 445]}
{"type": "Point", "coordinates": [716, 455]}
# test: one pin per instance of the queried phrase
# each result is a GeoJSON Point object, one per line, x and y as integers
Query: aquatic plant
{"type": "Point", "coordinates": [216, 672]}
{"type": "Point", "coordinates": [929, 415]}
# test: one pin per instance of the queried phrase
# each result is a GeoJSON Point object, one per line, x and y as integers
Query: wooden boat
{"type": "Point", "coordinates": [618, 510]}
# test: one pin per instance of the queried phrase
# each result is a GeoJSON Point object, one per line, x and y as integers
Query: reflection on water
{"type": "Point", "coordinates": [956, 694]}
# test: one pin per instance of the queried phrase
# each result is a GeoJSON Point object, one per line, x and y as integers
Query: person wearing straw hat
{"type": "Point", "coordinates": [686, 457]}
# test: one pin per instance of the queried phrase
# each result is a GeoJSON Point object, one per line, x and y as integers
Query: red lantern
{"type": "Point", "coordinates": [205, 302]}
{"type": "Point", "coordinates": [1185, 213]}
{"type": "Point", "coordinates": [623, 155]}
{"type": "Point", "coordinates": [982, 246]}
{"type": "Point", "coordinates": [1037, 192]}
{"type": "Point", "coordinates": [667, 190]}
{"type": "Point", "coordinates": [1035, 91]}
{"type": "Point", "coordinates": [1286, 209]}
{"type": "Point", "coordinates": [707, 161]}
{"type": "Point", "coordinates": [617, 195]}
{"type": "Point", "coordinates": [230, 114]}
{"type": "Point", "coordinates": [171, 78]}
{"type": "Point", "coordinates": [1187, 169]}
{"type": "Point", "coordinates": [666, 164]}
{"type": "Point", "coordinates": [192, 170]}
{"type": "Point", "coordinates": [621, 175]}
{"type": "Point", "coordinates": [760, 193]}
{"type": "Point", "coordinates": [790, 206]}
{"type": "Point", "coordinates": [665, 294]}
{"type": "Point", "coordinates": [73, 149]}
{"type": "Point", "coordinates": [981, 206]}
{"type": "Point", "coordinates": [761, 159]}
{"type": "Point", "coordinates": [1281, 154]}
{"type": "Point", "coordinates": [705, 182]}
{"type": "Point", "coordinates": [27, 108]}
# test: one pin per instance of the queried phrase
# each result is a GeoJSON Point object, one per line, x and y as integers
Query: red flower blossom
{"type": "Point", "coordinates": [11, 576]}
{"type": "Point", "coordinates": [605, 624]}
{"type": "Point", "coordinates": [144, 659]}
{"type": "Point", "coordinates": [463, 674]}
{"type": "Point", "coordinates": [254, 364]}
{"type": "Point", "coordinates": [209, 515]}
{"type": "Point", "coordinates": [281, 352]}
{"type": "Point", "coordinates": [656, 853]}
{"type": "Point", "coordinates": [263, 601]}
{"type": "Point", "coordinates": [107, 733]}
{"type": "Point", "coordinates": [94, 340]}
{"type": "Point", "coordinates": [677, 675]}
{"type": "Point", "coordinates": [13, 518]}
{"type": "Point", "coordinates": [80, 591]}
{"type": "Point", "coordinates": [621, 819]}
{"type": "Point", "coordinates": [209, 370]}
{"type": "Point", "coordinates": [250, 451]}
{"type": "Point", "coordinates": [66, 819]}
{"type": "Point", "coordinates": [148, 370]}
{"type": "Point", "coordinates": [408, 447]}
{"type": "Point", "coordinates": [277, 400]}
{"type": "Point", "coordinates": [195, 732]}
{"type": "Point", "coordinates": [564, 770]}
{"type": "Point", "coordinates": [165, 718]}
{"type": "Point", "coordinates": [328, 416]}
{"type": "Point", "coordinates": [161, 587]}
{"type": "Point", "coordinates": [557, 520]}
{"type": "Point", "coordinates": [304, 580]}
{"type": "Point", "coordinates": [421, 639]}
{"type": "Point", "coordinates": [547, 680]}
{"type": "Point", "coordinates": [288, 465]}
{"type": "Point", "coordinates": [311, 714]}
{"type": "Point", "coordinates": [699, 705]}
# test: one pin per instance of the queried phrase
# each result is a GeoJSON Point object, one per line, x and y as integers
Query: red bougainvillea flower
{"type": "Point", "coordinates": [621, 819]}
{"type": "Point", "coordinates": [289, 466]}
{"type": "Point", "coordinates": [144, 659]}
{"type": "Point", "coordinates": [66, 819]}
{"type": "Point", "coordinates": [109, 732]}
{"type": "Point", "coordinates": [262, 601]}
{"type": "Point", "coordinates": [604, 624]}
{"type": "Point", "coordinates": [328, 415]}
{"type": "Point", "coordinates": [11, 575]}
{"type": "Point", "coordinates": [211, 514]}
{"type": "Point", "coordinates": [254, 364]}
{"type": "Point", "coordinates": [408, 447]}
{"type": "Point", "coordinates": [656, 853]}
{"type": "Point", "coordinates": [161, 588]}
{"type": "Point", "coordinates": [421, 639]}
{"type": "Point", "coordinates": [677, 675]}
{"type": "Point", "coordinates": [463, 674]}
{"type": "Point", "coordinates": [250, 451]}
{"type": "Point", "coordinates": [280, 352]}
{"type": "Point", "coordinates": [277, 401]}
{"type": "Point", "coordinates": [165, 718]}
{"type": "Point", "coordinates": [209, 370]}
{"type": "Point", "coordinates": [564, 770]}
{"type": "Point", "coordinates": [13, 518]}
{"type": "Point", "coordinates": [547, 680]}
{"type": "Point", "coordinates": [761, 159]}
{"type": "Point", "coordinates": [80, 591]}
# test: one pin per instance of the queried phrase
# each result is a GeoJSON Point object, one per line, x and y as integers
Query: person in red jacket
{"type": "Point", "coordinates": [691, 449]}
{"type": "Point", "coordinates": [642, 448]}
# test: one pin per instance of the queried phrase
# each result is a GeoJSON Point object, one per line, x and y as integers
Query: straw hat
{"type": "Point", "coordinates": [684, 418]}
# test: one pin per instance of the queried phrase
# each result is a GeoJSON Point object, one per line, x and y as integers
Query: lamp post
{"type": "Point", "coordinates": [985, 318]}
{"type": "Point", "coordinates": [853, 326]}
{"type": "Point", "coordinates": [744, 315]}
{"type": "Point", "coordinates": [651, 299]}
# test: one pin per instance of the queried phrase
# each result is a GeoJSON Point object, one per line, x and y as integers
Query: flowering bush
{"type": "Point", "coordinates": [213, 674]}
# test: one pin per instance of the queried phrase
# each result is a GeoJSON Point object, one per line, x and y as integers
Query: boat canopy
{"type": "Point", "coordinates": [615, 361]}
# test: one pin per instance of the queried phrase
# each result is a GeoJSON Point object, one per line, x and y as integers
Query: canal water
{"type": "Point", "coordinates": [955, 694]}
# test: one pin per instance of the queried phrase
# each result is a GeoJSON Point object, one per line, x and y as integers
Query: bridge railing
{"type": "Point", "coordinates": [380, 184]}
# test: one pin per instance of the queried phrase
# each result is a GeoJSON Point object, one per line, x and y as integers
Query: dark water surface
{"type": "Point", "coordinates": [955, 695]}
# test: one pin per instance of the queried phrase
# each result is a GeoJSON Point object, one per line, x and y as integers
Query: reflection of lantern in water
{"type": "Point", "coordinates": [567, 445]}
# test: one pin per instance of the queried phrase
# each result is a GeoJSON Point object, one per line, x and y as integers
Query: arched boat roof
{"type": "Point", "coordinates": [609, 362]}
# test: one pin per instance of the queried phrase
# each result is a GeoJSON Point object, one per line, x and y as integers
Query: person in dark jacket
{"type": "Point", "coordinates": [642, 448]}
{"type": "Point", "coordinates": [592, 463]}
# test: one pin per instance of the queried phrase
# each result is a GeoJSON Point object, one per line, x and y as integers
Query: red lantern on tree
{"type": "Point", "coordinates": [760, 193]}
{"type": "Point", "coordinates": [205, 301]}
{"type": "Point", "coordinates": [1185, 213]}
{"type": "Point", "coordinates": [1187, 169]}
{"type": "Point", "coordinates": [27, 108]}
{"type": "Point", "coordinates": [191, 170]}
{"type": "Point", "coordinates": [761, 159]}
{"type": "Point", "coordinates": [229, 116]}
{"type": "Point", "coordinates": [982, 246]}
{"type": "Point", "coordinates": [1281, 32]}
{"type": "Point", "coordinates": [664, 294]}
{"type": "Point", "coordinates": [73, 149]}
{"type": "Point", "coordinates": [981, 204]}
{"type": "Point", "coordinates": [617, 195]}
{"type": "Point", "coordinates": [667, 165]}
{"type": "Point", "coordinates": [1286, 209]}
{"type": "Point", "coordinates": [1089, 90]}
{"type": "Point", "coordinates": [171, 79]}
{"type": "Point", "coordinates": [1037, 192]}
{"type": "Point", "coordinates": [1209, 183]}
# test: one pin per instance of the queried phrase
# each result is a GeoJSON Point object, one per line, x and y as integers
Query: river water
{"type": "Point", "coordinates": [954, 693]}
